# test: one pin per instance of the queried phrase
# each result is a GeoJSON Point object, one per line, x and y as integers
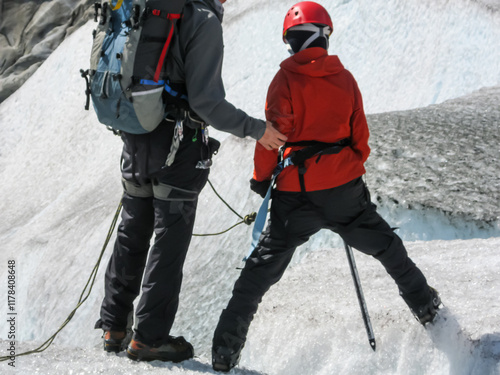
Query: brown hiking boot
{"type": "Point", "coordinates": [114, 341]}
{"type": "Point", "coordinates": [177, 349]}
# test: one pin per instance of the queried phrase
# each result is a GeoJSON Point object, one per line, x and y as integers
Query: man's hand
{"type": "Point", "coordinates": [272, 138]}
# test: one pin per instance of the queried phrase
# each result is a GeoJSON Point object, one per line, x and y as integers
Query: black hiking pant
{"type": "Point", "coordinates": [294, 218]}
{"type": "Point", "coordinates": [163, 207]}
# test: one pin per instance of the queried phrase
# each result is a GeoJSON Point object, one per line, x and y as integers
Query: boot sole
{"type": "Point", "coordinates": [113, 347]}
{"type": "Point", "coordinates": [148, 358]}
{"type": "Point", "coordinates": [223, 367]}
{"type": "Point", "coordinates": [220, 360]}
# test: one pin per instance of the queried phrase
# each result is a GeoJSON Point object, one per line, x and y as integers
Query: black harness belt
{"type": "Point", "coordinates": [311, 149]}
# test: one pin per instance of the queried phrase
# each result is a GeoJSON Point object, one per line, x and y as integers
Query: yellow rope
{"type": "Point", "coordinates": [248, 219]}
{"type": "Point", "coordinates": [82, 299]}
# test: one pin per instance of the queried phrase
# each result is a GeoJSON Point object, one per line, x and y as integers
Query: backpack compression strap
{"type": "Point", "coordinates": [171, 17]}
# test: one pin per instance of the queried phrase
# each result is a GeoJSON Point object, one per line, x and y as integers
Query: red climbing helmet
{"type": "Point", "coordinates": [306, 12]}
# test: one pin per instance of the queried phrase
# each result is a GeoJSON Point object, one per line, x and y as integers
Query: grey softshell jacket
{"type": "Point", "coordinates": [195, 59]}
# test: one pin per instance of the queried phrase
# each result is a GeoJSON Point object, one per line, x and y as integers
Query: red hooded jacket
{"type": "Point", "coordinates": [312, 97]}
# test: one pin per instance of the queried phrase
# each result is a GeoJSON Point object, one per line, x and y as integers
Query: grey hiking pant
{"type": "Point", "coordinates": [163, 208]}
{"type": "Point", "coordinates": [172, 223]}
{"type": "Point", "coordinates": [295, 217]}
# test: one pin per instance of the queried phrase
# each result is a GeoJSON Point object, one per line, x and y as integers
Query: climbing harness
{"type": "Point", "coordinates": [298, 158]}
{"type": "Point", "coordinates": [311, 149]}
{"type": "Point", "coordinates": [178, 111]}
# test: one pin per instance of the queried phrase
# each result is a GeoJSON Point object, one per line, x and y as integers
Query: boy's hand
{"type": "Point", "coordinates": [260, 187]}
{"type": "Point", "coordinates": [272, 138]}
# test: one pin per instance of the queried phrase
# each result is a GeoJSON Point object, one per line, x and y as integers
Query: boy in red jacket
{"type": "Point", "coordinates": [316, 103]}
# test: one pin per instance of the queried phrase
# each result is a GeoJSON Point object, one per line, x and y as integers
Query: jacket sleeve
{"type": "Point", "coordinates": [279, 112]}
{"type": "Point", "coordinates": [203, 68]}
{"type": "Point", "coordinates": [359, 126]}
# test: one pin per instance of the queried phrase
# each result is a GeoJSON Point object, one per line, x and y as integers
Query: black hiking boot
{"type": "Point", "coordinates": [427, 312]}
{"type": "Point", "coordinates": [177, 349]}
{"type": "Point", "coordinates": [224, 359]}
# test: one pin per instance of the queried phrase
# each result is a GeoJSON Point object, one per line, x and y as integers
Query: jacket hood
{"type": "Point", "coordinates": [314, 62]}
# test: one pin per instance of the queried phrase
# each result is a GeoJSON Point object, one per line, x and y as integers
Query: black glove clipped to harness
{"type": "Point", "coordinates": [260, 187]}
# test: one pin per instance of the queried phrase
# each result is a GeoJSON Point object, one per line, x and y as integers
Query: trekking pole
{"type": "Point", "coordinates": [361, 298]}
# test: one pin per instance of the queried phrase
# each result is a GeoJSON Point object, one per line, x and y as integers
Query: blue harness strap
{"type": "Point", "coordinates": [260, 221]}
{"type": "Point", "coordinates": [261, 218]}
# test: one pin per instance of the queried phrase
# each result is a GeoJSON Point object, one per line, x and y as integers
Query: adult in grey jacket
{"type": "Point", "coordinates": [161, 192]}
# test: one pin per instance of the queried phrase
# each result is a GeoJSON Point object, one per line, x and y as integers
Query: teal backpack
{"type": "Point", "coordinates": [126, 76]}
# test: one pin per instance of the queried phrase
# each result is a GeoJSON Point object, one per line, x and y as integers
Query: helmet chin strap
{"type": "Point", "coordinates": [318, 32]}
